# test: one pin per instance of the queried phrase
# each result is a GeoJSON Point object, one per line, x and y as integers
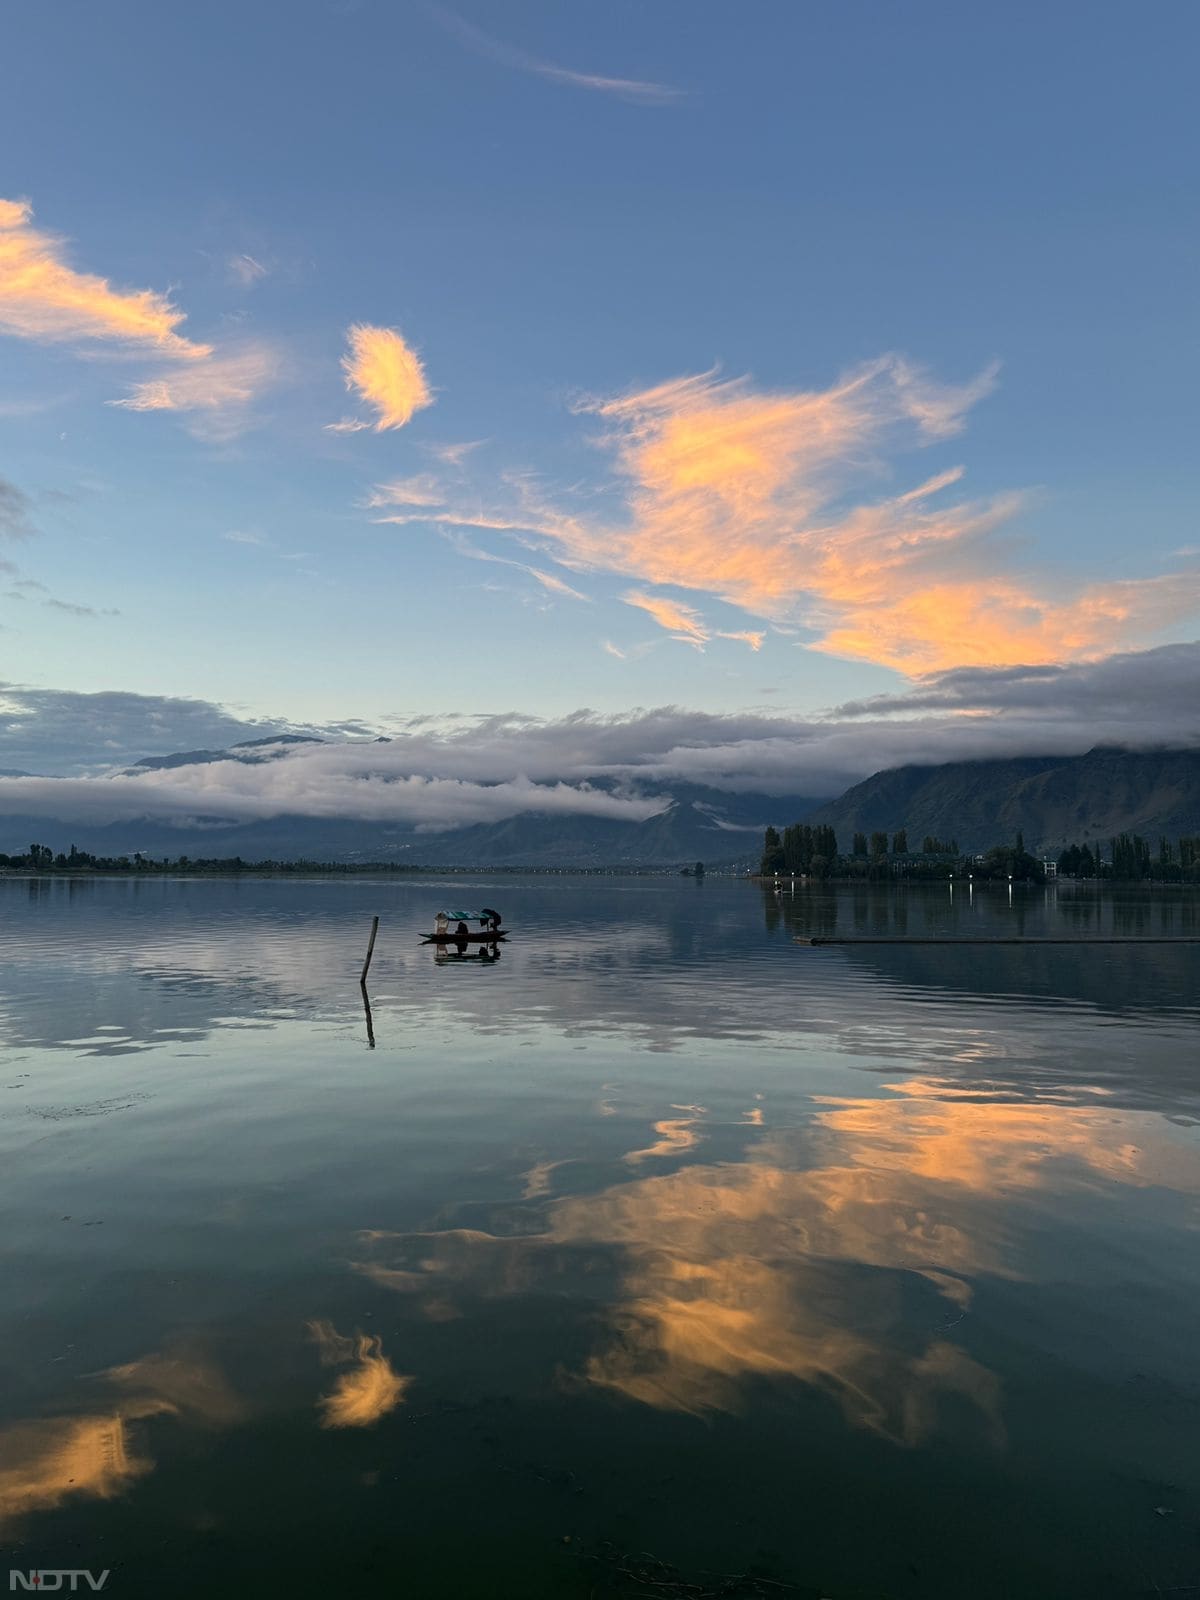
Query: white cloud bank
{"type": "Point", "coordinates": [436, 773]}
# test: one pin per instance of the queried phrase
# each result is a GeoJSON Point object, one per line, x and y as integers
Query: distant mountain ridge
{"type": "Point", "coordinates": [695, 823]}
{"type": "Point", "coordinates": [1052, 800]}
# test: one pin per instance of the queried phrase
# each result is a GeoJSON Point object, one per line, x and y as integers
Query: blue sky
{"type": "Point", "coordinates": [887, 244]}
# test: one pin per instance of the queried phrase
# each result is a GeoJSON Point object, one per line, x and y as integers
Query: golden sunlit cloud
{"type": "Point", "coordinates": [43, 298]}
{"type": "Point", "coordinates": [365, 1394]}
{"type": "Point", "coordinates": [387, 373]}
{"type": "Point", "coordinates": [761, 499]}
{"type": "Point", "coordinates": [682, 622]}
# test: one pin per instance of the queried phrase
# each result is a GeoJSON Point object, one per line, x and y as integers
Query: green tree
{"type": "Point", "coordinates": [900, 843]}
{"type": "Point", "coordinates": [772, 857]}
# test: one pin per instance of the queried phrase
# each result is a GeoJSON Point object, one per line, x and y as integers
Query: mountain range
{"type": "Point", "coordinates": [1053, 801]}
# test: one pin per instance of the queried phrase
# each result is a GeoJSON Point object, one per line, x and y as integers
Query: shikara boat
{"type": "Point", "coordinates": [453, 927]}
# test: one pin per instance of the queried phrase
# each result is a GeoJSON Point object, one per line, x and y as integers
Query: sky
{"type": "Point", "coordinates": [365, 361]}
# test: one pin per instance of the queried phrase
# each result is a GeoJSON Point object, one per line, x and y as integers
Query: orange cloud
{"type": "Point", "coordinates": [387, 373]}
{"type": "Point", "coordinates": [757, 498]}
{"type": "Point", "coordinates": [682, 622]}
{"type": "Point", "coordinates": [42, 297]}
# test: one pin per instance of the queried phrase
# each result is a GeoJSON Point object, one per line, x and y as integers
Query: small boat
{"type": "Point", "coordinates": [452, 927]}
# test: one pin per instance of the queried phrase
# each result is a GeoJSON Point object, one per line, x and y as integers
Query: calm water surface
{"type": "Point", "coordinates": [659, 1252]}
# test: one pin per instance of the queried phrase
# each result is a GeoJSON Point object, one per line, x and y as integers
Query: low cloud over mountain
{"type": "Point", "coordinates": [433, 773]}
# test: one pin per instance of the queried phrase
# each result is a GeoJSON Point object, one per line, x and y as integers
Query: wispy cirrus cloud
{"type": "Point", "coordinates": [453, 455]}
{"type": "Point", "coordinates": [547, 580]}
{"type": "Point", "coordinates": [768, 500]}
{"type": "Point", "coordinates": [44, 298]}
{"type": "Point", "coordinates": [386, 373]}
{"type": "Point", "coordinates": [246, 270]}
{"type": "Point", "coordinates": [73, 609]}
{"type": "Point", "coordinates": [422, 489]}
{"type": "Point", "coordinates": [217, 392]}
{"type": "Point", "coordinates": [682, 622]}
{"type": "Point", "coordinates": [743, 636]}
{"type": "Point", "coordinates": [637, 90]}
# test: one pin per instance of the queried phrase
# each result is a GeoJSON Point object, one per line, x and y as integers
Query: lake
{"type": "Point", "coordinates": [662, 1256]}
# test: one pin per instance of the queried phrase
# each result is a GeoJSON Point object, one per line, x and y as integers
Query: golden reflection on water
{"type": "Point", "coordinates": [96, 1455]}
{"type": "Point", "coordinates": [990, 1147]}
{"type": "Point", "coordinates": [47, 1460]}
{"type": "Point", "coordinates": [792, 1263]}
{"type": "Point", "coordinates": [675, 1134]}
{"type": "Point", "coordinates": [366, 1393]}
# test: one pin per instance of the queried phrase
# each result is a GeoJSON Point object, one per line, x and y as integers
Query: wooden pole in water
{"type": "Point", "coordinates": [370, 949]}
{"type": "Point", "coordinates": [367, 1014]}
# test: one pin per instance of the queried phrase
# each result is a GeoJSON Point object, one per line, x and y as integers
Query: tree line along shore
{"type": "Point", "coordinates": [812, 852]}
{"type": "Point", "coordinates": [41, 860]}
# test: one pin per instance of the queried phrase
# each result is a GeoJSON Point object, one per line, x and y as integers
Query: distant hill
{"type": "Point", "coordinates": [257, 749]}
{"type": "Point", "coordinates": [1052, 800]}
{"type": "Point", "coordinates": [695, 824]}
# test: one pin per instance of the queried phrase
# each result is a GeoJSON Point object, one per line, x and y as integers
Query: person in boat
{"type": "Point", "coordinates": [491, 919]}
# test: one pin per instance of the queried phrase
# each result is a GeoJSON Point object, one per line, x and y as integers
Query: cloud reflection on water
{"type": "Point", "coordinates": [837, 1255]}
{"type": "Point", "coordinates": [98, 1454]}
{"type": "Point", "coordinates": [369, 1390]}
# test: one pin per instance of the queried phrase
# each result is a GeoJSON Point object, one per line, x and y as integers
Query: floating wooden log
{"type": "Point", "coordinates": [904, 938]}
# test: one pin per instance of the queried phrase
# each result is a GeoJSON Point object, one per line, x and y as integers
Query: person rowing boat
{"type": "Point", "coordinates": [453, 928]}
